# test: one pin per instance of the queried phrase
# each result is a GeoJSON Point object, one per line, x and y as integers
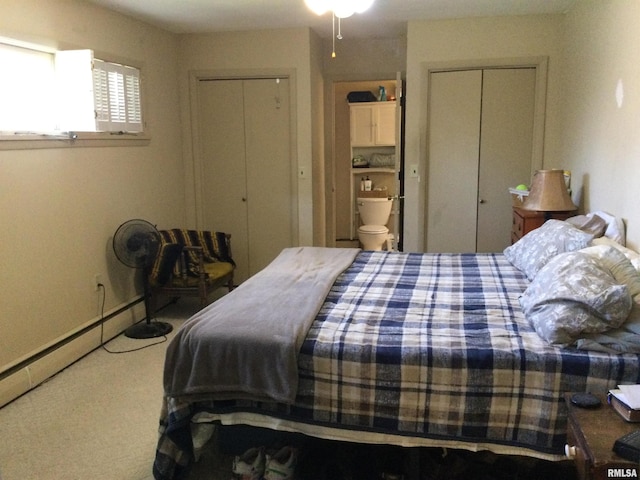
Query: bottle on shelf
{"type": "Point", "coordinates": [367, 185]}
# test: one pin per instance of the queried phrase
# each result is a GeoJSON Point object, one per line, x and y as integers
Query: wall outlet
{"type": "Point", "coordinates": [97, 281]}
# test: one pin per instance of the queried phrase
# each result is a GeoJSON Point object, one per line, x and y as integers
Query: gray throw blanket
{"type": "Point", "coordinates": [246, 344]}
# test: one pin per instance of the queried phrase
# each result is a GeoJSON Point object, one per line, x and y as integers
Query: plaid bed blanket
{"type": "Point", "coordinates": [424, 345]}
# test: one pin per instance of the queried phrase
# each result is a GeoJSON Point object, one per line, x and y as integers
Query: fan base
{"type": "Point", "coordinates": [148, 330]}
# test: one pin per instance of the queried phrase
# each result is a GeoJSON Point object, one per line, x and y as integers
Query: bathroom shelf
{"type": "Point", "coordinates": [367, 170]}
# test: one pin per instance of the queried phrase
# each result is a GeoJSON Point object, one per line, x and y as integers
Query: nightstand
{"type": "Point", "coordinates": [590, 437]}
{"type": "Point", "coordinates": [523, 221]}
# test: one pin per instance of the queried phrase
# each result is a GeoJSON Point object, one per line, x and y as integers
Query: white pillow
{"type": "Point", "coordinates": [624, 273]}
{"type": "Point", "coordinates": [618, 264]}
{"type": "Point", "coordinates": [615, 227]}
{"type": "Point", "coordinates": [634, 257]}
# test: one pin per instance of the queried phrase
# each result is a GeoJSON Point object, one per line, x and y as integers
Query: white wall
{"type": "Point", "coordinates": [473, 40]}
{"type": "Point", "coordinates": [601, 139]}
{"type": "Point", "coordinates": [60, 207]}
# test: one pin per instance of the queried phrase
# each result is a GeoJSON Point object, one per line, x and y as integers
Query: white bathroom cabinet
{"type": "Point", "coordinates": [373, 124]}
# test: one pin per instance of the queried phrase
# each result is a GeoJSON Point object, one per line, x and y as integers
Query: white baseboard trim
{"type": "Point", "coordinates": [44, 366]}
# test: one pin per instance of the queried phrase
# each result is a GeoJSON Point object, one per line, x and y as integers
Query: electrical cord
{"type": "Point", "coordinates": [102, 343]}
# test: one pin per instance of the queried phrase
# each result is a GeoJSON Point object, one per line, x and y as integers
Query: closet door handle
{"type": "Point", "coordinates": [482, 200]}
{"type": "Point", "coordinates": [244, 199]}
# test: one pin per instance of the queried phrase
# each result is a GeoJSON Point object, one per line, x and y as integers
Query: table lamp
{"type": "Point", "coordinates": [548, 193]}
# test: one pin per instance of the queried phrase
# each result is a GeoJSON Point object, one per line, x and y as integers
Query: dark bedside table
{"type": "Point", "coordinates": [590, 437]}
{"type": "Point", "coordinates": [523, 221]}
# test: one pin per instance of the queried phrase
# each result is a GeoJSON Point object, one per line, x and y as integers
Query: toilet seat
{"type": "Point", "coordinates": [373, 229]}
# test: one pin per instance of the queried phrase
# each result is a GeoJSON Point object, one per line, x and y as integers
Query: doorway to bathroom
{"type": "Point", "coordinates": [367, 143]}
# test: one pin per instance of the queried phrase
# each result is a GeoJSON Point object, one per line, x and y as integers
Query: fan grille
{"type": "Point", "coordinates": [136, 243]}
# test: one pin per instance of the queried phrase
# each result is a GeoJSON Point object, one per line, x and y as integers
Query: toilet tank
{"type": "Point", "coordinates": [374, 211]}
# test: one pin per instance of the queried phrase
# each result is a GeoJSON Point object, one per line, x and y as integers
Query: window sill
{"type": "Point", "coordinates": [32, 141]}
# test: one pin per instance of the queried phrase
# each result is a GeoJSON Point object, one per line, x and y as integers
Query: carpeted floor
{"type": "Point", "coordinates": [98, 419]}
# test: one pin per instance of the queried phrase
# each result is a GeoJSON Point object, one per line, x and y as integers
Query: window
{"type": "Point", "coordinates": [57, 92]}
{"type": "Point", "coordinates": [26, 90]}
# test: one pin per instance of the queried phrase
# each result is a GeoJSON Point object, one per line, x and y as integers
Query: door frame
{"type": "Point", "coordinates": [330, 159]}
{"type": "Point", "coordinates": [540, 63]}
{"type": "Point", "coordinates": [194, 164]}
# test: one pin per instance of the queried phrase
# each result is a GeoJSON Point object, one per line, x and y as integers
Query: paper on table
{"type": "Point", "coordinates": [619, 395]}
{"type": "Point", "coordinates": [632, 394]}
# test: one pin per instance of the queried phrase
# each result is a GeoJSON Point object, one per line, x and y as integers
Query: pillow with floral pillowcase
{"type": "Point", "coordinates": [536, 248]}
{"type": "Point", "coordinates": [574, 295]}
{"type": "Point", "coordinates": [626, 338]}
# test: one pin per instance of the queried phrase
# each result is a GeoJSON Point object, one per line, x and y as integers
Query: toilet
{"type": "Point", "coordinates": [374, 215]}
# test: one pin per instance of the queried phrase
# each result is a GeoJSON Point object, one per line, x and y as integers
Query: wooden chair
{"type": "Point", "coordinates": [191, 263]}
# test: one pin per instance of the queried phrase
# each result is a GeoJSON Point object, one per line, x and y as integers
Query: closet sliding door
{"type": "Point", "coordinates": [481, 129]}
{"type": "Point", "coordinates": [244, 139]}
{"type": "Point", "coordinates": [454, 136]}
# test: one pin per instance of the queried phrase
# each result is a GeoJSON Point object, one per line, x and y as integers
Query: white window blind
{"type": "Point", "coordinates": [117, 97]}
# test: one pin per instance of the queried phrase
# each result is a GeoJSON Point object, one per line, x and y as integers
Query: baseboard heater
{"type": "Point", "coordinates": [37, 368]}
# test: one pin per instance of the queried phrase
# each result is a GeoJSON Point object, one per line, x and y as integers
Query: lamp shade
{"type": "Point", "coordinates": [548, 193]}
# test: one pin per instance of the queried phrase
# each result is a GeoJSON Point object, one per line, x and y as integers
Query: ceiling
{"type": "Point", "coordinates": [386, 18]}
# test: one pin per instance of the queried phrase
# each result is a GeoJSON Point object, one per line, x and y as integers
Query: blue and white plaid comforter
{"type": "Point", "coordinates": [425, 345]}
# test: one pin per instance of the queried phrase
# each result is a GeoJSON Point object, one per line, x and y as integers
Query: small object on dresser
{"type": "Point", "coordinates": [628, 446]}
{"type": "Point", "coordinates": [363, 96]}
{"type": "Point", "coordinates": [616, 399]}
{"type": "Point", "coordinates": [382, 94]}
{"type": "Point", "coordinates": [359, 162]}
{"type": "Point", "coordinates": [585, 400]}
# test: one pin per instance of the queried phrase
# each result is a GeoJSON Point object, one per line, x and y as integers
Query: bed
{"type": "Point", "coordinates": [449, 350]}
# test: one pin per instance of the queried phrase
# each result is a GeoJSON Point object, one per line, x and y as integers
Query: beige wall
{"type": "Point", "coordinates": [254, 53]}
{"type": "Point", "coordinates": [60, 207]}
{"type": "Point", "coordinates": [474, 40]}
{"type": "Point", "coordinates": [601, 139]}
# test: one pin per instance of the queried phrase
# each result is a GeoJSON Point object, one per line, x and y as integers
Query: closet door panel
{"type": "Point", "coordinates": [222, 153]}
{"type": "Point", "coordinates": [268, 157]}
{"type": "Point", "coordinates": [505, 150]}
{"type": "Point", "coordinates": [454, 136]}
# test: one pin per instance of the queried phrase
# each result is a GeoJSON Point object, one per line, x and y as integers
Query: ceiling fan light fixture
{"type": "Point", "coordinates": [319, 7]}
{"type": "Point", "coordinates": [340, 8]}
{"type": "Point", "coordinates": [343, 10]}
{"type": "Point", "coordinates": [361, 6]}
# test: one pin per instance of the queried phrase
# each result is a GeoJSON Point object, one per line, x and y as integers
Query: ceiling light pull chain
{"type": "Point", "coordinates": [333, 34]}
{"type": "Point", "coordinates": [277, 97]}
{"type": "Point", "coordinates": [338, 36]}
